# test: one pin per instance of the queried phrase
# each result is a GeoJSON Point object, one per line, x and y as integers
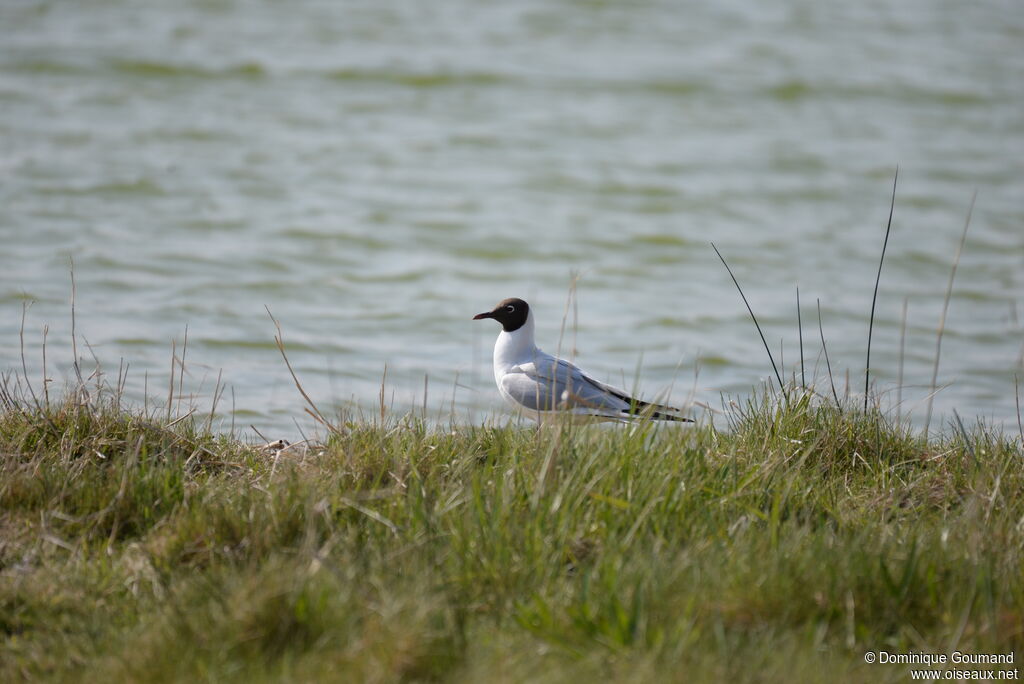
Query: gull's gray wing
{"type": "Point", "coordinates": [548, 384]}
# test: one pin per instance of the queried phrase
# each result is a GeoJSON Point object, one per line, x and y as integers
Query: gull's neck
{"type": "Point", "coordinates": [513, 348]}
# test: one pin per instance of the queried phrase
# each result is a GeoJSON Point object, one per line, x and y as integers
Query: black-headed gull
{"type": "Point", "coordinates": [539, 384]}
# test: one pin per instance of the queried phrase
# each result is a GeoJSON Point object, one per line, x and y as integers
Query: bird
{"type": "Point", "coordinates": [542, 385]}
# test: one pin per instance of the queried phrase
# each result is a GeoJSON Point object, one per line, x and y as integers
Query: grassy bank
{"type": "Point", "coordinates": [780, 547]}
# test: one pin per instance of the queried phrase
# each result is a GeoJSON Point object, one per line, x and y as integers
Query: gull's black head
{"type": "Point", "coordinates": [511, 313]}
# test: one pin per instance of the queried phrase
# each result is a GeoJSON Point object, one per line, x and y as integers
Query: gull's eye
{"type": "Point", "coordinates": [510, 308]}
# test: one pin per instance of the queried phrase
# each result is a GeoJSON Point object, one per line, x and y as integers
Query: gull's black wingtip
{"type": "Point", "coordinates": [642, 410]}
{"type": "Point", "coordinates": [639, 408]}
{"type": "Point", "coordinates": [667, 416]}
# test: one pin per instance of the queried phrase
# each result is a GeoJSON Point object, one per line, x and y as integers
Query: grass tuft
{"type": "Point", "coordinates": [781, 546]}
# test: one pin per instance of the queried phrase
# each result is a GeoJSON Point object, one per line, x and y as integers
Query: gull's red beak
{"type": "Point", "coordinates": [485, 314]}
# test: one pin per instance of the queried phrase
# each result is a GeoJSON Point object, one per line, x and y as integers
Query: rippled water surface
{"type": "Point", "coordinates": [377, 172]}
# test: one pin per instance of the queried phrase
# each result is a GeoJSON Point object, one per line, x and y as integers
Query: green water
{"type": "Point", "coordinates": [377, 172]}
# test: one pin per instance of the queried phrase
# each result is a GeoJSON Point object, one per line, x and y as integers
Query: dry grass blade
{"type": "Point", "coordinates": [426, 389]}
{"type": "Point", "coordinates": [380, 395]}
{"type": "Point", "coordinates": [570, 304]}
{"type": "Point", "coordinates": [828, 364]}
{"type": "Point", "coordinates": [369, 513]}
{"type": "Point", "coordinates": [260, 434]}
{"type": "Point", "coordinates": [181, 370]}
{"type": "Point", "coordinates": [874, 298]}
{"type": "Point", "coordinates": [964, 436]}
{"type": "Point", "coordinates": [800, 330]}
{"type": "Point", "coordinates": [218, 392]}
{"type": "Point", "coordinates": [1016, 395]}
{"type": "Point", "coordinates": [46, 380]}
{"type": "Point", "coordinates": [122, 380]}
{"type": "Point", "coordinates": [24, 364]}
{"type": "Point", "coordinates": [771, 358]}
{"type": "Point", "coordinates": [74, 339]}
{"type": "Point", "coordinates": [170, 385]}
{"type": "Point", "coordinates": [899, 373]}
{"type": "Point", "coordinates": [945, 310]}
{"type": "Point", "coordinates": [180, 418]}
{"type": "Point", "coordinates": [312, 410]}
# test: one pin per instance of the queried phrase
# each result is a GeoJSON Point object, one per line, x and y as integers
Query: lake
{"type": "Point", "coordinates": [375, 173]}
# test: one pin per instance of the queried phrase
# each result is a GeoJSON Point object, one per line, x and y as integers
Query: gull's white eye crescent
{"type": "Point", "coordinates": [510, 308]}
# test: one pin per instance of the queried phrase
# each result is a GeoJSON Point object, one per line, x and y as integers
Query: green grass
{"type": "Point", "coordinates": [779, 547]}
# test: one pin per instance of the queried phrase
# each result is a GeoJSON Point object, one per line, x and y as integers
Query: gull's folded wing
{"type": "Point", "coordinates": [548, 384]}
